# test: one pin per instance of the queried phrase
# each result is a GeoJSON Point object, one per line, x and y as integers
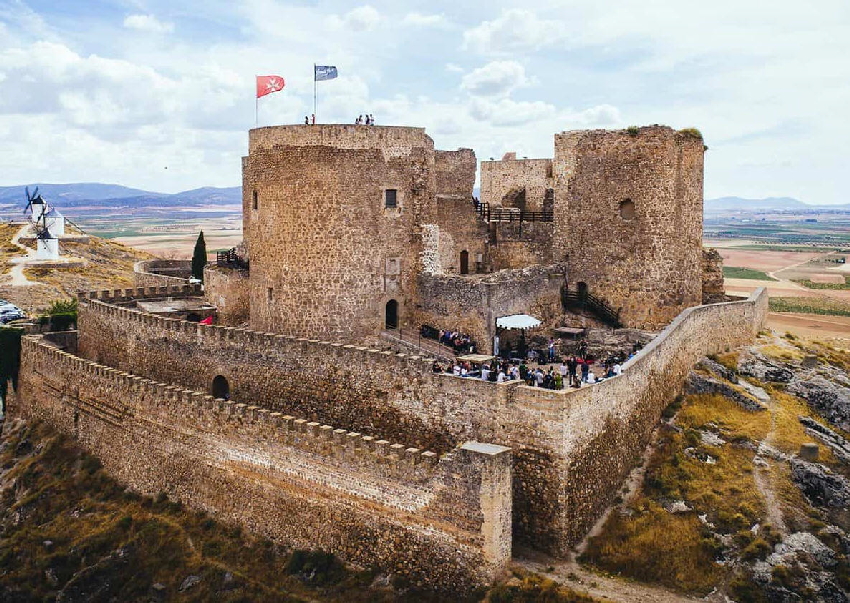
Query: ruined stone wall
{"type": "Point", "coordinates": [570, 447]}
{"type": "Point", "coordinates": [471, 304]}
{"type": "Point", "coordinates": [442, 521]}
{"type": "Point", "coordinates": [499, 179]}
{"type": "Point", "coordinates": [713, 287]}
{"type": "Point", "coordinates": [161, 273]}
{"type": "Point", "coordinates": [520, 244]}
{"type": "Point", "coordinates": [228, 290]}
{"type": "Point", "coordinates": [454, 172]}
{"type": "Point", "coordinates": [326, 254]}
{"type": "Point", "coordinates": [649, 265]}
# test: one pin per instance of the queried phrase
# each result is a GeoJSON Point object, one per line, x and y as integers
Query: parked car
{"type": "Point", "coordinates": [10, 314]}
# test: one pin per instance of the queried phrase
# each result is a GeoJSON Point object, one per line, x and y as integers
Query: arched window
{"type": "Point", "coordinates": [220, 387]}
{"type": "Point", "coordinates": [391, 318]}
{"type": "Point", "coordinates": [627, 209]}
{"type": "Point", "coordinates": [464, 262]}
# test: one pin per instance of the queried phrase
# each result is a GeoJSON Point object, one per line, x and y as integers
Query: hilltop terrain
{"type": "Point", "coordinates": [108, 265]}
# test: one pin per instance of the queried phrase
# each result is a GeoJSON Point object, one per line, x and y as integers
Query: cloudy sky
{"type": "Point", "coordinates": [118, 90]}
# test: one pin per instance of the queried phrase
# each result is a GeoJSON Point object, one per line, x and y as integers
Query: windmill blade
{"type": "Point", "coordinates": [29, 200]}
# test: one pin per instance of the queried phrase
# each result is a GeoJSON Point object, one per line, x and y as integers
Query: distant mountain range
{"type": "Point", "coordinates": [114, 195]}
{"type": "Point", "coordinates": [94, 194]}
{"type": "Point", "coordinates": [788, 204]}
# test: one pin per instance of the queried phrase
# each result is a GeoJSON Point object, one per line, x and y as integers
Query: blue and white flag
{"type": "Point", "coordinates": [325, 72]}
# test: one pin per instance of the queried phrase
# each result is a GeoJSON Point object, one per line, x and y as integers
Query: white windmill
{"type": "Point", "coordinates": [44, 220]}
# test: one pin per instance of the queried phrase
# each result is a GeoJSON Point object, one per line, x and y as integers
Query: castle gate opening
{"type": "Point", "coordinates": [220, 387]}
{"type": "Point", "coordinates": [391, 318]}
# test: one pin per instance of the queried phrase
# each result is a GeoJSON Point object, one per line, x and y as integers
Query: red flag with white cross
{"type": "Point", "coordinates": [266, 84]}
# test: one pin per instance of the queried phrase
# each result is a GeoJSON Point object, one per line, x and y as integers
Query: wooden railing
{"type": "Point", "coordinates": [229, 259]}
{"type": "Point", "coordinates": [509, 214]}
{"type": "Point", "coordinates": [572, 300]}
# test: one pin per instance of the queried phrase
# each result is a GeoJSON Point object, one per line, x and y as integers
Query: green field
{"type": "Point", "coordinates": [810, 305]}
{"type": "Point", "coordinates": [735, 272]}
{"type": "Point", "coordinates": [833, 286]}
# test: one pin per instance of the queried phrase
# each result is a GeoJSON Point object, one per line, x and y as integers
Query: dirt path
{"type": "Point", "coordinates": [762, 474]}
{"type": "Point", "coordinates": [572, 575]}
{"type": "Point", "coordinates": [16, 274]}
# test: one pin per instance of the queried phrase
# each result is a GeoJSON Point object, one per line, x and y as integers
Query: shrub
{"type": "Point", "coordinates": [633, 130]}
{"type": "Point", "coordinates": [691, 133]}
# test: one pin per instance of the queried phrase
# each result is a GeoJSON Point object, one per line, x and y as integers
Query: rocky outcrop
{"type": "Point", "coordinates": [840, 447]}
{"type": "Point", "coordinates": [718, 369]}
{"type": "Point", "coordinates": [830, 399]}
{"type": "Point", "coordinates": [753, 364]}
{"type": "Point", "coordinates": [820, 485]}
{"type": "Point", "coordinates": [704, 384]}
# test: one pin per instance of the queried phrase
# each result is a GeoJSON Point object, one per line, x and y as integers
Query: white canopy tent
{"type": "Point", "coordinates": [517, 321]}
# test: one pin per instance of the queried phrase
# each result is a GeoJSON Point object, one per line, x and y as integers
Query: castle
{"type": "Point", "coordinates": [307, 427]}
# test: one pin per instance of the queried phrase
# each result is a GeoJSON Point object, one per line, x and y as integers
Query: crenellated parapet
{"type": "Point", "coordinates": [443, 519]}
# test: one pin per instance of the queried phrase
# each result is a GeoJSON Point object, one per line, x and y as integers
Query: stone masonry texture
{"type": "Point", "coordinates": [570, 448]}
{"type": "Point", "coordinates": [443, 520]}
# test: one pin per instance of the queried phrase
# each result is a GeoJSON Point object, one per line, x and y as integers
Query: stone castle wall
{"type": "Point", "coordinates": [161, 273]}
{"type": "Point", "coordinates": [471, 304]}
{"type": "Point", "coordinates": [648, 264]}
{"type": "Point", "coordinates": [570, 447]}
{"type": "Point", "coordinates": [228, 289]}
{"type": "Point", "coordinates": [440, 520]}
{"type": "Point", "coordinates": [326, 254]}
{"type": "Point", "coordinates": [713, 287]}
{"type": "Point", "coordinates": [501, 180]}
{"type": "Point", "coordinates": [604, 427]}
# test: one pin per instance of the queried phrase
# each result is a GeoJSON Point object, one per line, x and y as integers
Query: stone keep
{"type": "Point", "coordinates": [330, 218]}
{"type": "Point", "coordinates": [628, 218]}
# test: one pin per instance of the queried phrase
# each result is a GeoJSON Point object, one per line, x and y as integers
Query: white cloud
{"type": "Point", "coordinates": [515, 30]}
{"type": "Point", "coordinates": [148, 23]}
{"type": "Point", "coordinates": [418, 19]}
{"type": "Point", "coordinates": [498, 78]}
{"type": "Point", "coordinates": [362, 18]}
{"type": "Point", "coordinates": [508, 112]}
{"type": "Point", "coordinates": [600, 115]}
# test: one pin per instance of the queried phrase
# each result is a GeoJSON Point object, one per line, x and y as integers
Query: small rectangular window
{"type": "Point", "coordinates": [270, 294]}
{"type": "Point", "coordinates": [390, 198]}
{"type": "Point", "coordinates": [255, 200]}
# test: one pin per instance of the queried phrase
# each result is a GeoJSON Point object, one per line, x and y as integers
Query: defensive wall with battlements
{"type": "Point", "coordinates": [161, 273]}
{"type": "Point", "coordinates": [444, 521]}
{"type": "Point", "coordinates": [571, 448]}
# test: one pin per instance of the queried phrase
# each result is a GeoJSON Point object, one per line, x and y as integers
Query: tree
{"type": "Point", "coordinates": [199, 257]}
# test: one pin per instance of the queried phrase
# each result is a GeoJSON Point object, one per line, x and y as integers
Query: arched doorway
{"type": "Point", "coordinates": [220, 388]}
{"type": "Point", "coordinates": [582, 290]}
{"type": "Point", "coordinates": [464, 262]}
{"type": "Point", "coordinates": [391, 319]}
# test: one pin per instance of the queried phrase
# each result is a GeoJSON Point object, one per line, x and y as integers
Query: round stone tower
{"type": "Point", "coordinates": [330, 222]}
{"type": "Point", "coordinates": [628, 219]}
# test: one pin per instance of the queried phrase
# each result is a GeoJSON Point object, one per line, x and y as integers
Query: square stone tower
{"type": "Point", "coordinates": [628, 219]}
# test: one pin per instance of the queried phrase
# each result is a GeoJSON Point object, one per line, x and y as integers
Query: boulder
{"type": "Point", "coordinates": [830, 399]}
{"type": "Point", "coordinates": [820, 485]}
{"type": "Point", "coordinates": [703, 384]}
{"type": "Point", "coordinates": [753, 364]}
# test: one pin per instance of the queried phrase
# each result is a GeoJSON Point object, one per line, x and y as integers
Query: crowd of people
{"type": "Point", "coordinates": [459, 342]}
{"type": "Point", "coordinates": [551, 372]}
{"type": "Point", "coordinates": [369, 120]}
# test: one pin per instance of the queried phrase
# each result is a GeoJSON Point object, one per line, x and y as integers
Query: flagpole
{"type": "Point", "coordinates": [256, 105]}
{"type": "Point", "coordinates": [315, 94]}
